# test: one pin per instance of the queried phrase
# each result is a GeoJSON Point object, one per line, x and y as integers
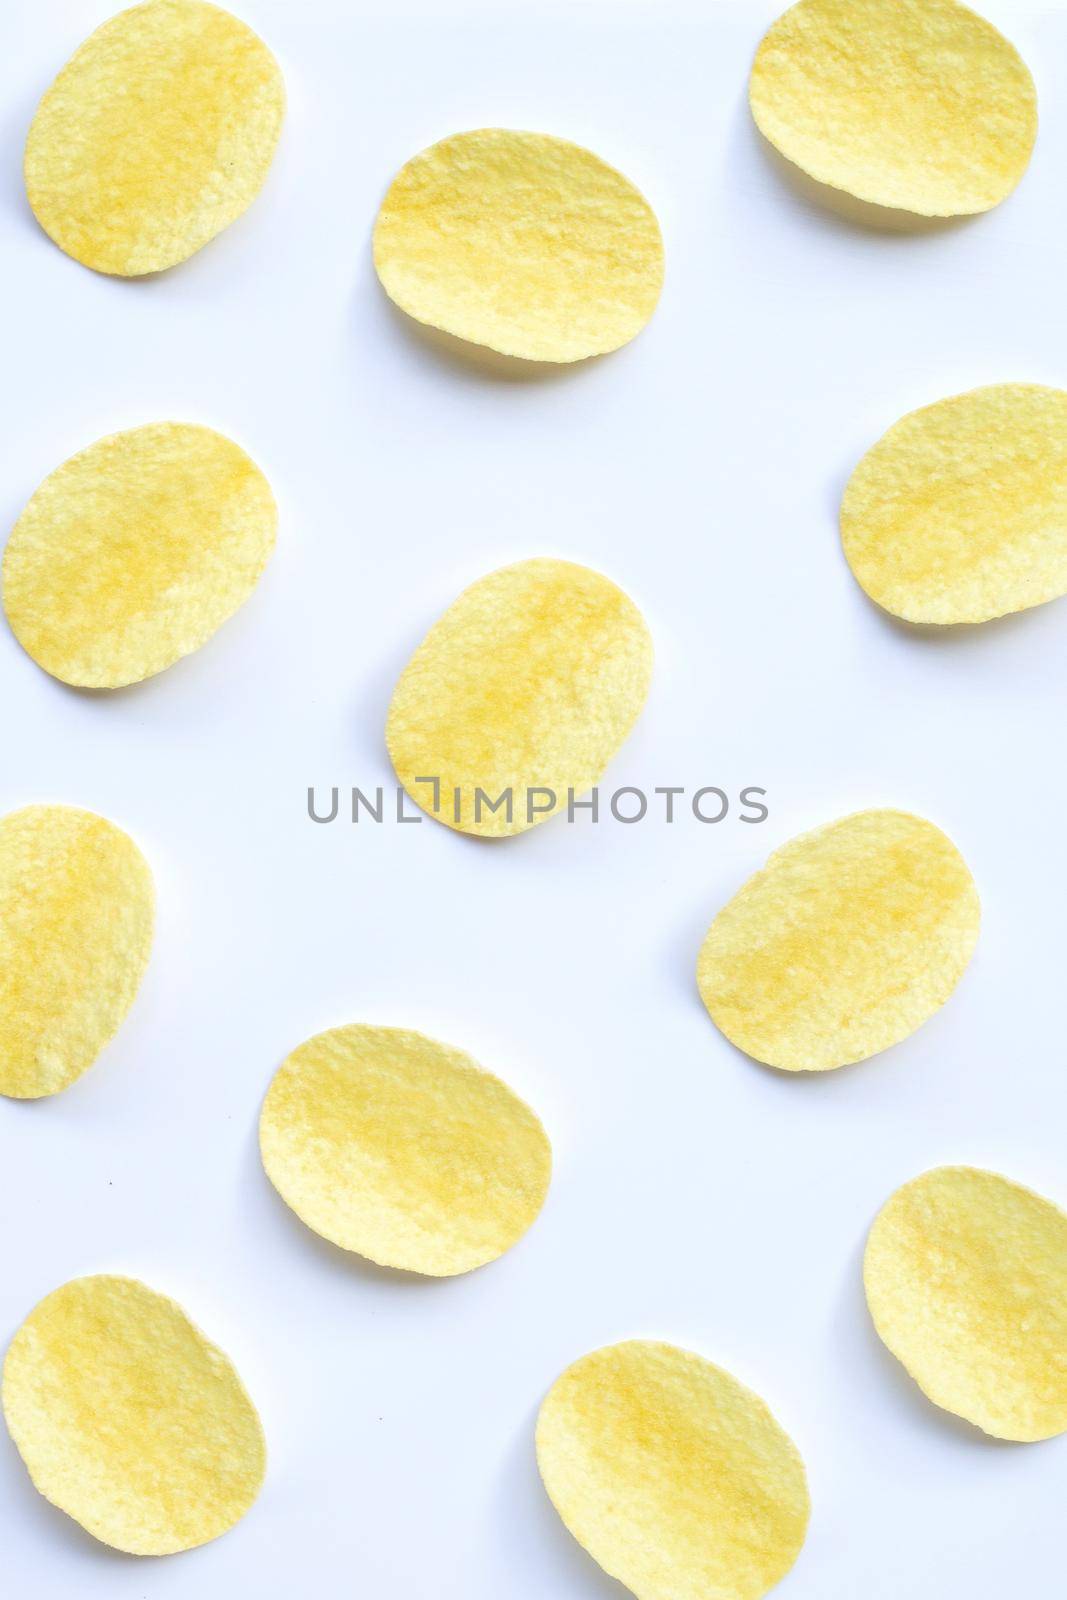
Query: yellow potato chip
{"type": "Point", "coordinates": [129, 1419]}
{"type": "Point", "coordinates": [959, 512]}
{"type": "Point", "coordinates": [519, 696]}
{"type": "Point", "coordinates": [135, 551]}
{"type": "Point", "coordinates": [848, 940]}
{"type": "Point", "coordinates": [918, 105]}
{"type": "Point", "coordinates": [403, 1150]}
{"type": "Point", "coordinates": [675, 1477]}
{"type": "Point", "coordinates": [521, 242]}
{"type": "Point", "coordinates": [966, 1279]}
{"type": "Point", "coordinates": [76, 915]}
{"type": "Point", "coordinates": [155, 136]}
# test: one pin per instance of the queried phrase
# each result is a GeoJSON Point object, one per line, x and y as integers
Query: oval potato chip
{"type": "Point", "coordinates": [848, 940]}
{"type": "Point", "coordinates": [129, 1419]}
{"type": "Point", "coordinates": [959, 512]}
{"type": "Point", "coordinates": [917, 105]}
{"type": "Point", "coordinates": [156, 135]}
{"type": "Point", "coordinates": [527, 687]}
{"type": "Point", "coordinates": [675, 1477]}
{"type": "Point", "coordinates": [76, 914]}
{"type": "Point", "coordinates": [521, 242]}
{"type": "Point", "coordinates": [403, 1150]}
{"type": "Point", "coordinates": [966, 1280]}
{"type": "Point", "coordinates": [135, 551]}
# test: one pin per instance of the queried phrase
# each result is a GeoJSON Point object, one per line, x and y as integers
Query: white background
{"type": "Point", "coordinates": [697, 1196]}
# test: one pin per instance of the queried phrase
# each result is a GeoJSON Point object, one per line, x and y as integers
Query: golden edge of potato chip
{"type": "Point", "coordinates": [111, 634]}
{"type": "Point", "coordinates": [65, 1329]}
{"type": "Point", "coordinates": [46, 1041]}
{"type": "Point", "coordinates": [954, 564]}
{"type": "Point", "coordinates": [676, 1478]}
{"type": "Point", "coordinates": [988, 1341]}
{"type": "Point", "coordinates": [729, 966]}
{"type": "Point", "coordinates": [798, 29]}
{"type": "Point", "coordinates": [510, 258]}
{"type": "Point", "coordinates": [137, 154]}
{"type": "Point", "coordinates": [355, 1194]}
{"type": "Point", "coordinates": [515, 662]}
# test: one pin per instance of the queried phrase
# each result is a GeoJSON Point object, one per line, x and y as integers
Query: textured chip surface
{"type": "Point", "coordinates": [675, 1477]}
{"type": "Point", "coordinates": [403, 1150]}
{"type": "Point", "coordinates": [843, 944]}
{"type": "Point", "coordinates": [959, 512]}
{"type": "Point", "coordinates": [154, 137]}
{"type": "Point", "coordinates": [531, 681]}
{"type": "Point", "coordinates": [521, 242]}
{"type": "Point", "coordinates": [135, 551]}
{"type": "Point", "coordinates": [966, 1279]}
{"type": "Point", "coordinates": [918, 105]}
{"type": "Point", "coordinates": [77, 908]}
{"type": "Point", "coordinates": [129, 1419]}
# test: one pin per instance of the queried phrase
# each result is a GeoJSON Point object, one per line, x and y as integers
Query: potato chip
{"type": "Point", "coordinates": [76, 915]}
{"type": "Point", "coordinates": [403, 1150]}
{"type": "Point", "coordinates": [959, 512]}
{"type": "Point", "coordinates": [966, 1279]}
{"type": "Point", "coordinates": [848, 940]}
{"type": "Point", "coordinates": [519, 696]}
{"type": "Point", "coordinates": [129, 1419]}
{"type": "Point", "coordinates": [918, 105]}
{"type": "Point", "coordinates": [675, 1477]}
{"type": "Point", "coordinates": [528, 244]}
{"type": "Point", "coordinates": [135, 551]}
{"type": "Point", "coordinates": [156, 135]}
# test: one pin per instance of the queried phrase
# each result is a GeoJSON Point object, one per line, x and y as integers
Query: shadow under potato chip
{"type": "Point", "coordinates": [858, 213]}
